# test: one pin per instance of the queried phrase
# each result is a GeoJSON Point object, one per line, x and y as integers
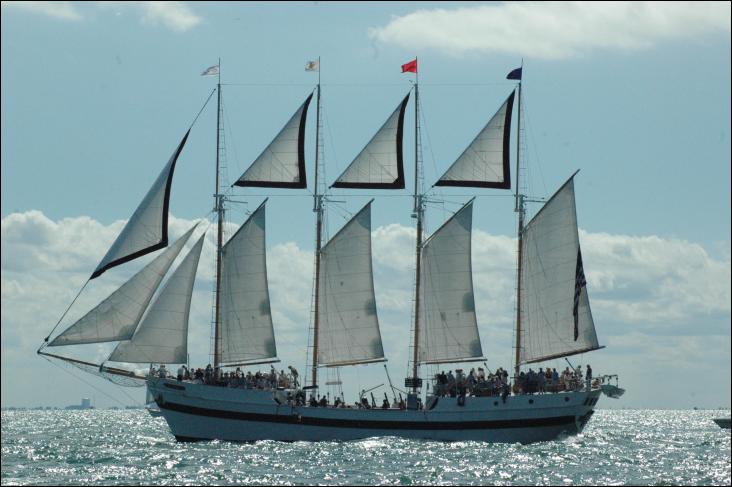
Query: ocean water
{"type": "Point", "coordinates": [108, 447]}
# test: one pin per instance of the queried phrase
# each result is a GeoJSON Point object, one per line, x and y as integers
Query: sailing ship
{"type": "Point", "coordinates": [553, 316]}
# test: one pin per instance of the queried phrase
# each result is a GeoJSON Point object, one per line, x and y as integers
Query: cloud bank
{"type": "Point", "coordinates": [553, 30]}
{"type": "Point", "coordinates": [657, 302]}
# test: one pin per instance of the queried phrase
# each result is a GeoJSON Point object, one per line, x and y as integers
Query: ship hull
{"type": "Point", "coordinates": [198, 412]}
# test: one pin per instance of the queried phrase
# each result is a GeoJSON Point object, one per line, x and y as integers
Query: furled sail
{"type": "Point", "coordinates": [117, 317]}
{"type": "Point", "coordinates": [348, 331]}
{"type": "Point", "coordinates": [147, 230]}
{"type": "Point", "coordinates": [485, 162]}
{"type": "Point", "coordinates": [448, 330]}
{"type": "Point", "coordinates": [162, 336]}
{"type": "Point", "coordinates": [556, 320]}
{"type": "Point", "coordinates": [379, 164]}
{"type": "Point", "coordinates": [247, 333]}
{"type": "Point", "coordinates": [282, 163]}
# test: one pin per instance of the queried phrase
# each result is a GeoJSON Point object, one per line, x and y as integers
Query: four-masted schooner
{"type": "Point", "coordinates": [553, 312]}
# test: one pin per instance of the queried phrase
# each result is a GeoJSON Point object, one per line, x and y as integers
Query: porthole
{"type": "Point", "coordinates": [566, 399]}
{"type": "Point", "coordinates": [531, 401]}
{"type": "Point", "coordinates": [495, 403]}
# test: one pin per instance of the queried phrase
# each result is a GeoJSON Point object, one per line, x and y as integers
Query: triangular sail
{"type": "Point", "coordinates": [247, 333]}
{"type": "Point", "coordinates": [162, 336]}
{"type": "Point", "coordinates": [282, 163]}
{"type": "Point", "coordinates": [147, 228]}
{"type": "Point", "coordinates": [448, 330]}
{"type": "Point", "coordinates": [379, 165]}
{"type": "Point", "coordinates": [348, 331]}
{"type": "Point", "coordinates": [117, 317]}
{"type": "Point", "coordinates": [553, 288]}
{"type": "Point", "coordinates": [485, 162]}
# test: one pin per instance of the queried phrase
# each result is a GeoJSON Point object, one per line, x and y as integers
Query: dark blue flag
{"type": "Point", "coordinates": [515, 74]}
{"type": "Point", "coordinates": [579, 283]}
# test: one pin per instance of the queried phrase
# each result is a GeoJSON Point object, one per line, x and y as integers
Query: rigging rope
{"type": "Point", "coordinates": [45, 341]}
{"type": "Point", "coordinates": [93, 386]}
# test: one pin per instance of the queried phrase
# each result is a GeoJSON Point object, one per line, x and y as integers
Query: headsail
{"type": "Point", "coordinates": [147, 229]}
{"type": "Point", "coordinates": [117, 317]}
{"type": "Point", "coordinates": [379, 164]}
{"type": "Point", "coordinates": [162, 336]}
{"type": "Point", "coordinates": [282, 163]}
{"type": "Point", "coordinates": [247, 333]}
{"type": "Point", "coordinates": [553, 289]}
{"type": "Point", "coordinates": [485, 162]}
{"type": "Point", "coordinates": [449, 331]}
{"type": "Point", "coordinates": [349, 326]}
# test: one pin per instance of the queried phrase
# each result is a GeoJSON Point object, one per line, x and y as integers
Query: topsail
{"type": "Point", "coordinates": [282, 163]}
{"type": "Point", "coordinates": [485, 162]}
{"type": "Point", "coordinates": [379, 165]}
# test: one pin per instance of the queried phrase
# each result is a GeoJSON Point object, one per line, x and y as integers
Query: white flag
{"type": "Point", "coordinates": [213, 70]}
{"type": "Point", "coordinates": [312, 66]}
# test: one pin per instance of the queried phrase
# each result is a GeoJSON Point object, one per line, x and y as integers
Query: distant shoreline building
{"type": "Point", "coordinates": [85, 404]}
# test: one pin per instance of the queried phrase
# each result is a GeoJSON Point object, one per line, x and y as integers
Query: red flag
{"type": "Point", "coordinates": [410, 67]}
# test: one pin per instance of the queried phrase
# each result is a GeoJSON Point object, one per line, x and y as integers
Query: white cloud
{"type": "Point", "coordinates": [176, 16]}
{"type": "Point", "coordinates": [554, 30]}
{"type": "Point", "coordinates": [173, 15]}
{"type": "Point", "coordinates": [59, 10]}
{"type": "Point", "coordinates": [649, 296]}
{"type": "Point", "coordinates": [654, 281]}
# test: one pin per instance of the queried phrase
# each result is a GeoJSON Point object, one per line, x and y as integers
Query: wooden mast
{"type": "Point", "coordinates": [318, 208]}
{"type": "Point", "coordinates": [419, 213]}
{"type": "Point", "coordinates": [521, 210]}
{"type": "Point", "coordinates": [219, 234]}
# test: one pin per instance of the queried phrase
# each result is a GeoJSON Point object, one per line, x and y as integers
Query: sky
{"type": "Point", "coordinates": [96, 96]}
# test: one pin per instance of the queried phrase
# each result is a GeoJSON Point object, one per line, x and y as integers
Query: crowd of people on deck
{"type": "Point", "coordinates": [548, 380]}
{"type": "Point", "coordinates": [215, 377]}
{"type": "Point", "coordinates": [481, 383]}
{"type": "Point", "coordinates": [476, 383]}
{"type": "Point", "coordinates": [340, 403]}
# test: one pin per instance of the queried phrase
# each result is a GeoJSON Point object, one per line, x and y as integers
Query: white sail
{"type": "Point", "coordinates": [379, 164]}
{"type": "Point", "coordinates": [485, 162]}
{"type": "Point", "coordinates": [551, 274]}
{"type": "Point", "coordinates": [117, 316]}
{"type": "Point", "coordinates": [147, 228]}
{"type": "Point", "coordinates": [348, 331]}
{"type": "Point", "coordinates": [282, 163]}
{"type": "Point", "coordinates": [162, 336]}
{"type": "Point", "coordinates": [247, 333]}
{"type": "Point", "coordinates": [448, 330]}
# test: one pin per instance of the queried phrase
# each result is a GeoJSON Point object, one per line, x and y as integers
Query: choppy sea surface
{"type": "Point", "coordinates": [128, 447]}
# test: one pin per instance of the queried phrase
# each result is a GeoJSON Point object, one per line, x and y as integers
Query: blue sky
{"type": "Point", "coordinates": [95, 97]}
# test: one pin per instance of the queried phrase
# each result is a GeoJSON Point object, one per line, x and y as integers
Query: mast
{"type": "Point", "coordinates": [521, 210]}
{"type": "Point", "coordinates": [218, 198]}
{"type": "Point", "coordinates": [418, 213]}
{"type": "Point", "coordinates": [318, 209]}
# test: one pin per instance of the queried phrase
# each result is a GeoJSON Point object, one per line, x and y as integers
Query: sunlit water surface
{"type": "Point", "coordinates": [638, 447]}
